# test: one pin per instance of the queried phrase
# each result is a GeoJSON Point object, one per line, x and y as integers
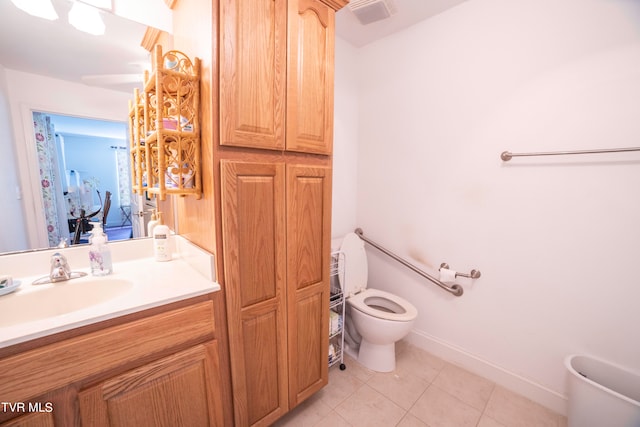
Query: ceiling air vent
{"type": "Point", "coordinates": [368, 11]}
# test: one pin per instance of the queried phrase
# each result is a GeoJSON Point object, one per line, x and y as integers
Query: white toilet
{"type": "Point", "coordinates": [380, 318]}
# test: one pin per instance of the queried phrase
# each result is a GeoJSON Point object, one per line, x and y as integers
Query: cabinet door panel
{"type": "Point", "coordinates": [253, 235]}
{"type": "Point", "coordinates": [182, 389]}
{"type": "Point", "coordinates": [41, 419]}
{"type": "Point", "coordinates": [308, 253]}
{"type": "Point", "coordinates": [256, 233]}
{"type": "Point", "coordinates": [253, 231]}
{"type": "Point", "coordinates": [253, 73]}
{"type": "Point", "coordinates": [310, 77]}
{"type": "Point", "coordinates": [263, 362]}
{"type": "Point", "coordinates": [310, 343]}
{"type": "Point", "coordinates": [307, 222]}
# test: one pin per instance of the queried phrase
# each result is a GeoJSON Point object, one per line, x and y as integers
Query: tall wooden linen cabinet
{"type": "Point", "coordinates": [276, 129]}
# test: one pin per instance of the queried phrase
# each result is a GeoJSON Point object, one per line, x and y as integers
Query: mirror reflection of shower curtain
{"type": "Point", "coordinates": [124, 181]}
{"type": "Point", "coordinates": [50, 179]}
{"type": "Point", "coordinates": [62, 163]}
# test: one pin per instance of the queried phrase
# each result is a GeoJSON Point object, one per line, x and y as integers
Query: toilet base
{"type": "Point", "coordinates": [377, 357]}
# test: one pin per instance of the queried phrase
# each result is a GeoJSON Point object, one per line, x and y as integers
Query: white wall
{"type": "Point", "coordinates": [30, 92]}
{"type": "Point", "coordinates": [345, 137]}
{"type": "Point", "coordinates": [12, 223]}
{"type": "Point", "coordinates": [557, 238]}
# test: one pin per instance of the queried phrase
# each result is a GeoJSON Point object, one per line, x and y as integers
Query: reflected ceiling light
{"type": "Point", "coordinates": [86, 18]}
{"type": "Point", "coordinates": [40, 8]}
{"type": "Point", "coordinates": [101, 4]}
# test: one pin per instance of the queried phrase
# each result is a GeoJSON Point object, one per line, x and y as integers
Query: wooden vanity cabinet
{"type": "Point", "coordinates": [161, 369]}
{"type": "Point", "coordinates": [276, 74]}
{"type": "Point", "coordinates": [175, 391]}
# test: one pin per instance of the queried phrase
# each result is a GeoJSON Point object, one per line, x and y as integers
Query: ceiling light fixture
{"type": "Point", "coordinates": [86, 18]}
{"type": "Point", "coordinates": [40, 8]}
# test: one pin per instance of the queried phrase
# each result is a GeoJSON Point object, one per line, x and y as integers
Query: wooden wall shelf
{"type": "Point", "coordinates": [165, 128]}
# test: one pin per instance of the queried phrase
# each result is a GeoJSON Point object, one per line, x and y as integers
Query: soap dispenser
{"type": "Point", "coordinates": [99, 252]}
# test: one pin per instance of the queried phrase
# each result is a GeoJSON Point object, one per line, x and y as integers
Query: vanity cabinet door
{"type": "Point", "coordinates": [39, 419]}
{"type": "Point", "coordinates": [179, 390]}
{"type": "Point", "coordinates": [52, 409]}
{"type": "Point", "coordinates": [310, 77]}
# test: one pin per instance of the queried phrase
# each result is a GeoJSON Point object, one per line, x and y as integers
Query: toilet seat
{"type": "Point", "coordinates": [364, 299]}
{"type": "Point", "coordinates": [400, 310]}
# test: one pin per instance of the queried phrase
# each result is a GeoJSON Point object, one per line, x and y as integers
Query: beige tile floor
{"type": "Point", "coordinates": [423, 391]}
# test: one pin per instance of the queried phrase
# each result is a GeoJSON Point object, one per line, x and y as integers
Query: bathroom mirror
{"type": "Point", "coordinates": [52, 67]}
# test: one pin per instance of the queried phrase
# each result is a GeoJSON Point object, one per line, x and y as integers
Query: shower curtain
{"type": "Point", "coordinates": [50, 180]}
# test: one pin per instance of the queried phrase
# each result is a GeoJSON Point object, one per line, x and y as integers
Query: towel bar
{"type": "Point", "coordinates": [507, 155]}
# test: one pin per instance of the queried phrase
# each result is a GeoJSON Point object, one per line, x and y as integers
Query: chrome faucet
{"type": "Point", "coordinates": [60, 269]}
{"type": "Point", "coordinates": [59, 272]}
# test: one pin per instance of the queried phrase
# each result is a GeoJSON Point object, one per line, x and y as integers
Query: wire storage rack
{"type": "Point", "coordinates": [336, 310]}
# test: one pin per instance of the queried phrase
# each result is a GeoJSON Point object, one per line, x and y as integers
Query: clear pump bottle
{"type": "Point", "coordinates": [99, 252]}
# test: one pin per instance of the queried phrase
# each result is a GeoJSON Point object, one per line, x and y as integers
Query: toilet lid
{"type": "Point", "coordinates": [355, 265]}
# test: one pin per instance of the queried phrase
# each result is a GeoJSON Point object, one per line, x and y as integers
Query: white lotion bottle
{"type": "Point", "coordinates": [99, 252]}
{"type": "Point", "coordinates": [161, 243]}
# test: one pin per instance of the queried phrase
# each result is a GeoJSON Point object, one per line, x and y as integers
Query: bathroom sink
{"type": "Point", "coordinates": [59, 298]}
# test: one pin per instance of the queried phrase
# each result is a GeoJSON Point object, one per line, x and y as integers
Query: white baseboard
{"type": "Point", "coordinates": [509, 380]}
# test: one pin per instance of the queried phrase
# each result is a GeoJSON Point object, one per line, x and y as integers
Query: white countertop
{"type": "Point", "coordinates": [189, 274]}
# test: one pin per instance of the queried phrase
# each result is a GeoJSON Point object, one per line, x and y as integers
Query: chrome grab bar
{"type": "Point", "coordinates": [454, 289]}
{"type": "Point", "coordinates": [507, 155]}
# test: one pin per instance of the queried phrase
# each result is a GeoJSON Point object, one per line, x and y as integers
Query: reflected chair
{"type": "Point", "coordinates": [105, 209]}
{"type": "Point", "coordinates": [82, 222]}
